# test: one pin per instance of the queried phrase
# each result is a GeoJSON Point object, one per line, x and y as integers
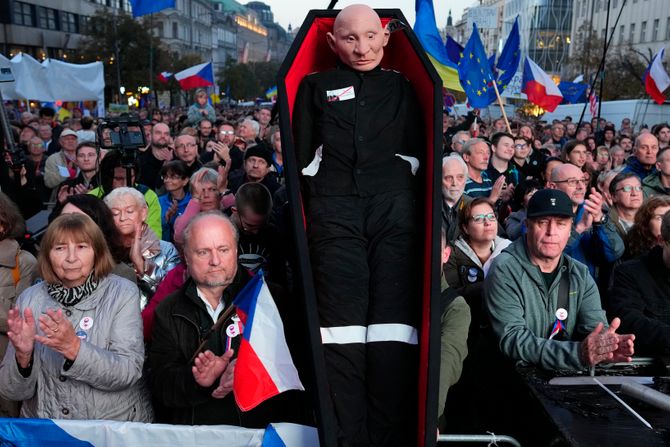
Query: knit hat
{"type": "Point", "coordinates": [260, 150]}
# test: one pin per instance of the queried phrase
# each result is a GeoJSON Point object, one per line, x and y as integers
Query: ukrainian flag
{"type": "Point", "coordinates": [426, 30]}
{"type": "Point", "coordinates": [271, 93]}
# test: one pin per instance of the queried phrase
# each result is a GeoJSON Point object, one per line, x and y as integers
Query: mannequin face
{"type": "Point", "coordinates": [358, 38]}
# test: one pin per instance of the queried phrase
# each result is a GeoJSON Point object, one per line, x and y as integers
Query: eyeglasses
{"type": "Point", "coordinates": [629, 188]}
{"type": "Point", "coordinates": [520, 146]}
{"type": "Point", "coordinates": [480, 218]}
{"type": "Point", "coordinates": [572, 181]}
{"type": "Point", "coordinates": [227, 132]}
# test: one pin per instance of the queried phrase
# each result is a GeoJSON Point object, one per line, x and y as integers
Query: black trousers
{"type": "Point", "coordinates": [363, 255]}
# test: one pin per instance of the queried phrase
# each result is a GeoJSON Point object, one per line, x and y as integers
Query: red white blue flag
{"type": "Point", "coordinates": [656, 79]}
{"type": "Point", "coordinates": [164, 76]}
{"type": "Point", "coordinates": [264, 365]}
{"type": "Point", "coordinates": [539, 87]}
{"type": "Point", "coordinates": [200, 75]}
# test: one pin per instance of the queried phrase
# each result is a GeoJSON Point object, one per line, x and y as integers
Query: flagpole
{"type": "Point", "coordinates": [502, 109]}
{"type": "Point", "coordinates": [602, 61]}
{"type": "Point", "coordinates": [602, 72]}
{"type": "Point", "coordinates": [219, 322]}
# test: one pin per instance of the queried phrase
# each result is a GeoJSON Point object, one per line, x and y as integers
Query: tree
{"type": "Point", "coordinates": [623, 74]}
{"type": "Point", "coordinates": [248, 81]}
{"type": "Point", "coordinates": [134, 39]}
{"type": "Point", "coordinates": [586, 52]}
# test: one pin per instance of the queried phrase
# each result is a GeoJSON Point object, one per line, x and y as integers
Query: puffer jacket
{"type": "Point", "coordinates": [522, 310]}
{"type": "Point", "coordinates": [155, 269]}
{"type": "Point", "coordinates": [105, 380]}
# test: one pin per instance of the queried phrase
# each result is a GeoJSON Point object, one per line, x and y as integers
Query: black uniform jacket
{"type": "Point", "coordinates": [363, 121]}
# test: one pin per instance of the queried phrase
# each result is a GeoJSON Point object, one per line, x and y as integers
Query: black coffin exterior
{"type": "Point", "coordinates": [310, 53]}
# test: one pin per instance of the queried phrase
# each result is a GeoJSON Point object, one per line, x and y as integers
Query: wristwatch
{"type": "Point", "coordinates": [603, 220]}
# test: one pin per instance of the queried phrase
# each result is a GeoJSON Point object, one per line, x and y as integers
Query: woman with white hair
{"type": "Point", "coordinates": [209, 191]}
{"type": "Point", "coordinates": [151, 257]}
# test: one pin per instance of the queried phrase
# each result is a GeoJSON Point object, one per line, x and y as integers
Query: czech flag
{"type": "Point", "coordinates": [656, 79]}
{"type": "Point", "coordinates": [264, 365]}
{"type": "Point", "coordinates": [200, 75]}
{"type": "Point", "coordinates": [164, 76]}
{"type": "Point", "coordinates": [539, 87]}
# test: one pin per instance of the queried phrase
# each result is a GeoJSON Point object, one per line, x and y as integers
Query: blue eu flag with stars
{"type": "Point", "coordinates": [474, 72]}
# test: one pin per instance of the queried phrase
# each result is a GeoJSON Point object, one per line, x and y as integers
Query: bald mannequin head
{"type": "Point", "coordinates": [358, 38]}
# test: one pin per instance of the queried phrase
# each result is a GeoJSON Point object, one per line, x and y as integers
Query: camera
{"type": "Point", "coordinates": [125, 134]}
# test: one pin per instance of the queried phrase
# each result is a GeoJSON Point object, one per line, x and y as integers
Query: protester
{"type": "Point", "coordinates": [200, 109]}
{"type": "Point", "coordinates": [574, 152]}
{"type": "Point", "coordinates": [639, 294]}
{"type": "Point", "coordinates": [642, 162]}
{"type": "Point", "coordinates": [256, 169]}
{"type": "Point", "coordinates": [524, 312]}
{"type": "Point", "coordinates": [515, 223]}
{"type": "Point", "coordinates": [18, 271]}
{"type": "Point", "coordinates": [626, 192]}
{"type": "Point", "coordinates": [174, 201]}
{"type": "Point", "coordinates": [659, 182]}
{"type": "Point", "coordinates": [150, 257]}
{"type": "Point", "coordinates": [101, 215]}
{"type": "Point", "coordinates": [454, 176]}
{"type": "Point", "coordinates": [645, 233]}
{"type": "Point", "coordinates": [199, 393]}
{"type": "Point", "coordinates": [76, 348]}
{"type": "Point", "coordinates": [62, 165]}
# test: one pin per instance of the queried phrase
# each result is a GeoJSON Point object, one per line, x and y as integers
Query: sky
{"type": "Point", "coordinates": [294, 11]}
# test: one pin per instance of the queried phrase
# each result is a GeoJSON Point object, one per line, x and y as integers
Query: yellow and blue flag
{"type": "Point", "coordinates": [427, 33]}
{"type": "Point", "coordinates": [474, 72]}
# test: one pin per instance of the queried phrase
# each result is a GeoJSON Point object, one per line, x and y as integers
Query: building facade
{"type": "Point", "coordinates": [545, 29]}
{"type": "Point", "coordinates": [38, 28]}
{"type": "Point", "coordinates": [644, 24]}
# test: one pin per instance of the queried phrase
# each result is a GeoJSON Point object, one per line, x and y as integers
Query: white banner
{"type": "Point", "coordinates": [483, 16]}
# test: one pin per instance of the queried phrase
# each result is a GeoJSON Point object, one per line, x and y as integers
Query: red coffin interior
{"type": "Point", "coordinates": [314, 55]}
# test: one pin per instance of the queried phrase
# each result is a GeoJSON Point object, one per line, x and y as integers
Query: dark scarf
{"type": "Point", "coordinates": [71, 296]}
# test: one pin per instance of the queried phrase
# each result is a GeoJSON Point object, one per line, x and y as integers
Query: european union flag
{"type": "Point", "coordinates": [509, 59]}
{"type": "Point", "coordinates": [573, 92]}
{"type": "Point", "coordinates": [144, 7]}
{"type": "Point", "coordinates": [454, 50]}
{"type": "Point", "coordinates": [475, 73]}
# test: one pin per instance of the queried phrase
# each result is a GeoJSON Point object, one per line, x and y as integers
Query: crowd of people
{"type": "Point", "coordinates": [555, 252]}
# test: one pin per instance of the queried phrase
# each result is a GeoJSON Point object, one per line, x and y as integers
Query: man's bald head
{"type": "Point", "coordinates": [358, 37]}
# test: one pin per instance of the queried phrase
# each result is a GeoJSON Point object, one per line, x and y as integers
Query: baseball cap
{"type": "Point", "coordinates": [68, 132]}
{"type": "Point", "coordinates": [549, 202]}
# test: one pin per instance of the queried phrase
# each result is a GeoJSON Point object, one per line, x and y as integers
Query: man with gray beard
{"type": "Point", "coordinates": [454, 176]}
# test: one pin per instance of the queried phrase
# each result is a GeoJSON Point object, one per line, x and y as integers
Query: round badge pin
{"type": "Point", "coordinates": [81, 335]}
{"type": "Point", "coordinates": [86, 323]}
{"type": "Point", "coordinates": [233, 330]}
{"type": "Point", "coordinates": [561, 314]}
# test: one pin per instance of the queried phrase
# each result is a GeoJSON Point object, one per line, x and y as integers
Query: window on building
{"type": "Point", "coordinates": [643, 32]}
{"type": "Point", "coordinates": [631, 33]}
{"type": "Point", "coordinates": [85, 24]}
{"type": "Point", "coordinates": [654, 31]}
{"type": "Point", "coordinates": [68, 22]}
{"type": "Point", "coordinates": [47, 18]}
{"type": "Point", "coordinates": [667, 29]}
{"type": "Point", "coordinates": [175, 30]}
{"type": "Point", "coordinates": [23, 14]}
{"type": "Point", "coordinates": [622, 33]}
{"type": "Point", "coordinates": [160, 29]}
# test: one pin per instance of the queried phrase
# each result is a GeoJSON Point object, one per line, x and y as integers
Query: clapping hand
{"type": "Point", "coordinates": [607, 346]}
{"type": "Point", "coordinates": [209, 367]}
{"type": "Point", "coordinates": [172, 211]}
{"type": "Point", "coordinates": [136, 250]}
{"type": "Point", "coordinates": [58, 334]}
{"type": "Point", "coordinates": [21, 334]}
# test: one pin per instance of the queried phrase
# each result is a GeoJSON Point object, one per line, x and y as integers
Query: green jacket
{"type": "Point", "coordinates": [652, 186]}
{"type": "Point", "coordinates": [522, 311]}
{"type": "Point", "coordinates": [154, 215]}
